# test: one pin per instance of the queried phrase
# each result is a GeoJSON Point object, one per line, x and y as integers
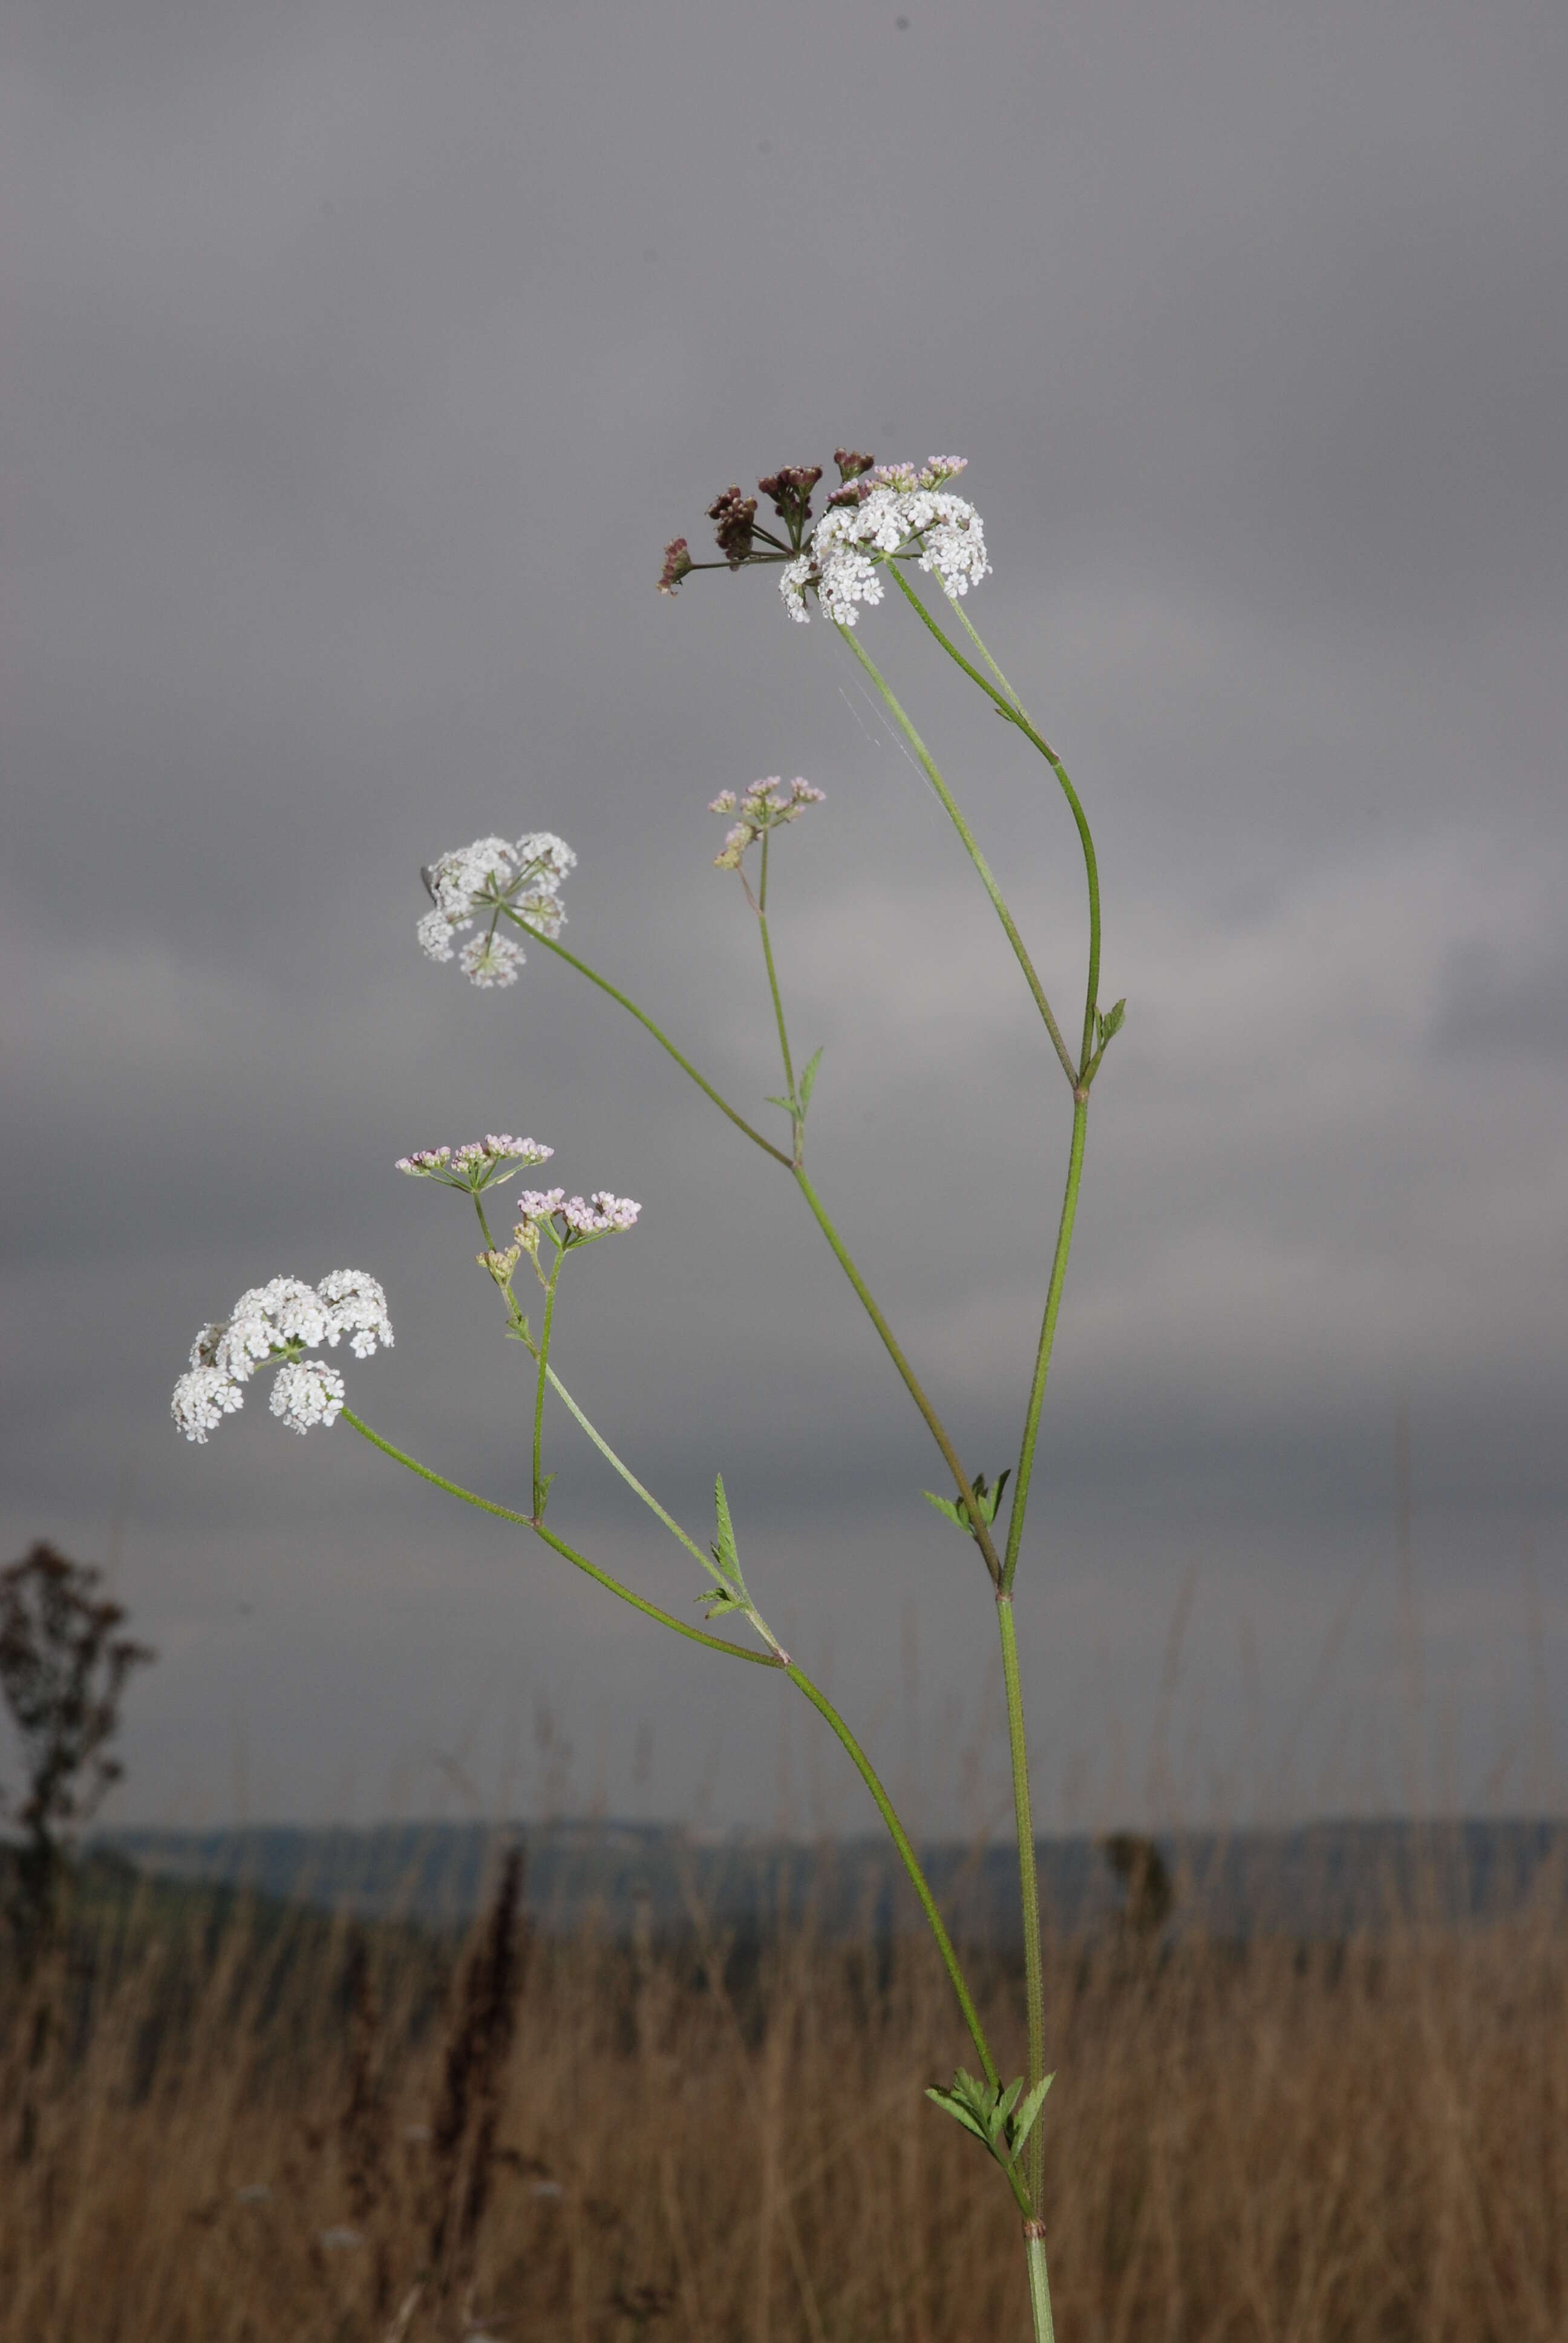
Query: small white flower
{"type": "Point", "coordinates": [435, 934]}
{"type": "Point", "coordinates": [600, 1214]}
{"type": "Point", "coordinates": [900, 510]}
{"type": "Point", "coordinates": [793, 580]}
{"type": "Point", "coordinates": [523, 876]}
{"type": "Point", "coordinates": [306, 1391]}
{"type": "Point", "coordinates": [764, 806]}
{"type": "Point", "coordinates": [490, 962]}
{"type": "Point", "coordinates": [201, 1400]}
{"type": "Point", "coordinates": [424, 1162]}
{"type": "Point", "coordinates": [272, 1323]}
{"type": "Point", "coordinates": [502, 1145]}
{"type": "Point", "coordinates": [585, 1217]}
{"type": "Point", "coordinates": [357, 1307]}
{"type": "Point", "coordinates": [539, 1204]}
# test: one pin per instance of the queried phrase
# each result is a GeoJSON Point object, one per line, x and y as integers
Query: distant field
{"type": "Point", "coordinates": [225, 2117]}
{"type": "Point", "coordinates": [1324, 1879]}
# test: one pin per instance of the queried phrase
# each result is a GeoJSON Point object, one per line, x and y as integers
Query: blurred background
{"type": "Point", "coordinates": [359, 361]}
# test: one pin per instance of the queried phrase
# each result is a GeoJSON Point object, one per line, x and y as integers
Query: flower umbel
{"type": "Point", "coordinates": [519, 878]}
{"type": "Point", "coordinates": [891, 513]}
{"type": "Point", "coordinates": [571, 1221]}
{"type": "Point", "coordinates": [765, 806]}
{"type": "Point", "coordinates": [274, 1326]}
{"type": "Point", "coordinates": [879, 513]}
{"type": "Point", "coordinates": [479, 1164]}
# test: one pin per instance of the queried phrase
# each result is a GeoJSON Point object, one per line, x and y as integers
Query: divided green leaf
{"type": "Point", "coordinates": [729, 1591]}
{"type": "Point", "coordinates": [987, 1500]}
{"type": "Point", "coordinates": [988, 2111]}
{"type": "Point", "coordinates": [808, 1081]}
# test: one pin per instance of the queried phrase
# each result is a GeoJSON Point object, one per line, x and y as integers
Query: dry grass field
{"type": "Point", "coordinates": [251, 2134]}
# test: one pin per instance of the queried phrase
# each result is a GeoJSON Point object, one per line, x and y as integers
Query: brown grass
{"type": "Point", "coordinates": [284, 2139]}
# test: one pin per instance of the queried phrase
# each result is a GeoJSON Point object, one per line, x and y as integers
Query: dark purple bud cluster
{"type": "Point", "coordinates": [736, 515]}
{"type": "Point", "coordinates": [790, 489]}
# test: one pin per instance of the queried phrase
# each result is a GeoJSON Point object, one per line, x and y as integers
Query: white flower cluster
{"type": "Point", "coordinates": [278, 1322]}
{"type": "Point", "coordinates": [763, 806]}
{"type": "Point", "coordinates": [520, 875]}
{"type": "Point", "coordinates": [584, 1218]}
{"type": "Point", "coordinates": [476, 1163]}
{"type": "Point", "coordinates": [896, 509]}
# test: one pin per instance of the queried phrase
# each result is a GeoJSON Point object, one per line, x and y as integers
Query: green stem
{"type": "Point", "coordinates": [934, 1423]}
{"type": "Point", "coordinates": [971, 846]}
{"type": "Point", "coordinates": [663, 1040]}
{"type": "Point", "coordinates": [1047, 1338]}
{"type": "Point", "coordinates": [1038, 2282]}
{"type": "Point", "coordinates": [817, 1698]}
{"type": "Point", "coordinates": [579, 1562]}
{"type": "Point", "coordinates": [773, 988]}
{"type": "Point", "coordinates": [543, 1355]}
{"type": "Point", "coordinates": [1029, 1888]}
{"type": "Point", "coordinates": [1012, 709]}
{"type": "Point", "coordinates": [918, 1880]}
{"type": "Point", "coordinates": [968, 625]}
{"type": "Point", "coordinates": [863, 1764]}
{"type": "Point", "coordinates": [627, 1474]}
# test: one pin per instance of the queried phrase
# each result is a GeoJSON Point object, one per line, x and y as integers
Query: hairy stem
{"type": "Point", "coordinates": [1038, 2282]}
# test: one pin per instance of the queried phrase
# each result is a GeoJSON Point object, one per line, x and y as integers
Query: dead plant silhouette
{"type": "Point", "coordinates": [63, 1669]}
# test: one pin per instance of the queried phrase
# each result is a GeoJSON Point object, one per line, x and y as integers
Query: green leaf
{"type": "Point", "coordinates": [724, 1552]}
{"type": "Point", "coordinates": [1003, 2108]}
{"type": "Point", "coordinates": [808, 1081]}
{"type": "Point", "coordinates": [545, 1493]}
{"type": "Point", "coordinates": [1111, 1022]}
{"type": "Point", "coordinates": [951, 2104]}
{"type": "Point", "coordinates": [1023, 2124]}
{"type": "Point", "coordinates": [945, 1505]}
{"type": "Point", "coordinates": [788, 1104]}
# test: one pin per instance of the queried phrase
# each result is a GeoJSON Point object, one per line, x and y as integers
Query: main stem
{"type": "Point", "coordinates": [1029, 1887]}
{"type": "Point", "coordinates": [1047, 1338]}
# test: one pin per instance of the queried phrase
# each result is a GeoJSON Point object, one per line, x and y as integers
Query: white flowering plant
{"type": "Point", "coordinates": [884, 525]}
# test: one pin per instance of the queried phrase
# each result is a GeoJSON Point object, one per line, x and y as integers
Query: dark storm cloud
{"type": "Point", "coordinates": [359, 362]}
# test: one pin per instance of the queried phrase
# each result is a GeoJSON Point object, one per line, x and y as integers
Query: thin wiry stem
{"type": "Point", "coordinates": [579, 1562]}
{"type": "Point", "coordinates": [911, 1382]}
{"type": "Point", "coordinates": [972, 847]}
{"type": "Point", "coordinates": [1012, 710]}
{"type": "Point", "coordinates": [663, 1040]}
{"type": "Point", "coordinates": [1047, 1339]}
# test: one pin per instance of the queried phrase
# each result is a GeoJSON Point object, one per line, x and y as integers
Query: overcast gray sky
{"type": "Point", "coordinates": [359, 361]}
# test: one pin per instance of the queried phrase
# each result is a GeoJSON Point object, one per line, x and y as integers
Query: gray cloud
{"type": "Point", "coordinates": [359, 364]}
